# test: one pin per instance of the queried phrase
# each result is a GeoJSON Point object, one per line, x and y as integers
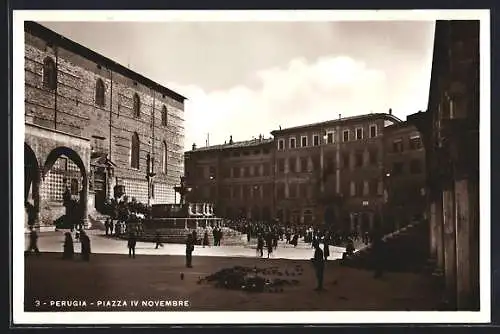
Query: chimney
{"type": "Point", "coordinates": [231, 140]}
{"type": "Point", "coordinates": [340, 116]}
{"type": "Point", "coordinates": [194, 146]}
{"type": "Point", "coordinates": [390, 111]}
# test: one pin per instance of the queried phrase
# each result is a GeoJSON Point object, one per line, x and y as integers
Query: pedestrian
{"type": "Point", "coordinates": [33, 244]}
{"type": "Point", "coordinates": [189, 250]}
{"type": "Point", "coordinates": [206, 242]}
{"type": "Point", "coordinates": [132, 240]}
{"type": "Point", "coordinates": [106, 226]}
{"type": "Point", "coordinates": [326, 247]}
{"type": "Point", "coordinates": [260, 245]}
{"type": "Point", "coordinates": [319, 265]}
{"type": "Point", "coordinates": [158, 240]}
{"type": "Point", "coordinates": [68, 249]}
{"type": "Point", "coordinates": [269, 244]}
{"type": "Point", "coordinates": [85, 242]}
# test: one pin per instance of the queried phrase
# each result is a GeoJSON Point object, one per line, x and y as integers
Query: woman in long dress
{"type": "Point", "coordinates": [68, 249]}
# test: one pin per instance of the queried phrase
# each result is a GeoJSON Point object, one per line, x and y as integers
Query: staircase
{"type": "Point", "coordinates": [230, 237]}
{"type": "Point", "coordinates": [403, 251]}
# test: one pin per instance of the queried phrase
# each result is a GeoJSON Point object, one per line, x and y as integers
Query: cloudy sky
{"type": "Point", "coordinates": [248, 78]}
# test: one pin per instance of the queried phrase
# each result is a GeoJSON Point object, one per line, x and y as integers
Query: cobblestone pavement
{"type": "Point", "coordinates": [109, 277]}
{"type": "Point", "coordinates": [100, 244]}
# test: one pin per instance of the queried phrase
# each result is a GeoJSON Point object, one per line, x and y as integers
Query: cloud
{"type": "Point", "coordinates": [299, 93]}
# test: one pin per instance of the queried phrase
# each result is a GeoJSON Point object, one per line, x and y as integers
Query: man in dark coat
{"type": "Point", "coordinates": [132, 241]}
{"type": "Point", "coordinates": [33, 245]}
{"type": "Point", "coordinates": [189, 250]}
{"type": "Point", "coordinates": [68, 249]}
{"type": "Point", "coordinates": [85, 242]}
{"type": "Point", "coordinates": [319, 265]}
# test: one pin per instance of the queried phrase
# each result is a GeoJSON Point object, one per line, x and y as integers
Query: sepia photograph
{"type": "Point", "coordinates": [284, 161]}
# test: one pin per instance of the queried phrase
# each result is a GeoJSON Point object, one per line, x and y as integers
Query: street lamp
{"type": "Point", "coordinates": [149, 176]}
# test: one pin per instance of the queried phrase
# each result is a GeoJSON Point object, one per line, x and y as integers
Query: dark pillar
{"type": "Point", "coordinates": [450, 259]}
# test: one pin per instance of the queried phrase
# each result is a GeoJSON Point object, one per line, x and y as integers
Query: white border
{"type": "Point", "coordinates": [21, 317]}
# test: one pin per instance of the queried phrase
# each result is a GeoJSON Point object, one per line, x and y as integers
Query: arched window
{"type": "Point", "coordinates": [49, 73]}
{"type": "Point", "coordinates": [99, 92]}
{"type": "Point", "coordinates": [164, 116]}
{"type": "Point", "coordinates": [134, 151]}
{"type": "Point", "coordinates": [137, 105]}
{"type": "Point", "coordinates": [164, 160]}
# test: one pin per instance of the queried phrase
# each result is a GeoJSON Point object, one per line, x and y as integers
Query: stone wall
{"type": "Point", "coordinates": [72, 109]}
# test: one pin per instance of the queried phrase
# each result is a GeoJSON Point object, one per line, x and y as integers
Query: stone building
{"type": "Point", "coordinates": [332, 172]}
{"type": "Point", "coordinates": [236, 177]}
{"type": "Point", "coordinates": [450, 131]}
{"type": "Point", "coordinates": [92, 124]}
{"type": "Point", "coordinates": [404, 178]}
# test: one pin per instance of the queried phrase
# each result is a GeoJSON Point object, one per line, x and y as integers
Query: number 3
{"type": "Point", "coordinates": [37, 303]}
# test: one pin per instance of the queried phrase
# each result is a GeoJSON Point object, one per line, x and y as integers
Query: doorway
{"type": "Point", "coordinates": [100, 189]}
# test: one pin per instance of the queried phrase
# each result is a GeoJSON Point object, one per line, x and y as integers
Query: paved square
{"type": "Point", "coordinates": [115, 277]}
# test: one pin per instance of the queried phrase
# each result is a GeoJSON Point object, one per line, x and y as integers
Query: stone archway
{"type": "Point", "coordinates": [76, 159]}
{"type": "Point", "coordinates": [31, 185]}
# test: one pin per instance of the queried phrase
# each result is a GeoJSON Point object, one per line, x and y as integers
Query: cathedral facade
{"type": "Point", "coordinates": [92, 124]}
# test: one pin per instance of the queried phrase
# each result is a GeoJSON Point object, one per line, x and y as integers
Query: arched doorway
{"type": "Point", "coordinates": [65, 176]}
{"type": "Point", "coordinates": [31, 185]}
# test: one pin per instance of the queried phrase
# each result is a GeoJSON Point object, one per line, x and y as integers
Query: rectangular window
{"type": "Point", "coordinates": [366, 188]}
{"type": "Point", "coordinates": [281, 165]}
{"type": "Point", "coordinates": [292, 143]}
{"type": "Point", "coordinates": [346, 161]}
{"type": "Point", "coordinates": [246, 171]}
{"type": "Point", "coordinates": [329, 137]}
{"type": "Point", "coordinates": [303, 190]}
{"type": "Point", "coordinates": [315, 162]}
{"type": "Point", "coordinates": [373, 131]}
{"type": "Point", "coordinates": [292, 165]}
{"type": "Point", "coordinates": [359, 188]}
{"type": "Point", "coordinates": [303, 141]}
{"type": "Point", "coordinates": [359, 133]}
{"type": "Point", "coordinates": [281, 145]}
{"type": "Point", "coordinates": [315, 140]}
{"type": "Point", "coordinates": [415, 143]}
{"type": "Point", "coordinates": [292, 190]}
{"type": "Point", "coordinates": [345, 136]}
{"type": "Point", "coordinates": [359, 159]}
{"type": "Point", "coordinates": [415, 166]}
{"type": "Point", "coordinates": [280, 191]}
{"type": "Point", "coordinates": [212, 172]}
{"type": "Point", "coordinates": [373, 157]}
{"type": "Point", "coordinates": [236, 172]}
{"type": "Point", "coordinates": [303, 164]}
{"type": "Point", "coordinates": [373, 187]}
{"type": "Point", "coordinates": [266, 169]}
{"type": "Point", "coordinates": [397, 168]}
{"type": "Point", "coordinates": [397, 146]}
{"type": "Point", "coordinates": [237, 192]}
{"type": "Point", "coordinates": [353, 189]}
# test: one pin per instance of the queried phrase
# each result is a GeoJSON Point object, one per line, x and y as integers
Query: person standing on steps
{"type": "Point", "coordinates": [319, 265]}
{"type": "Point", "coordinates": [189, 250]}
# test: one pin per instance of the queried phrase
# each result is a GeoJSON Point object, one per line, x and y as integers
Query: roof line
{"type": "Point", "coordinates": [346, 119]}
{"type": "Point", "coordinates": [41, 31]}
